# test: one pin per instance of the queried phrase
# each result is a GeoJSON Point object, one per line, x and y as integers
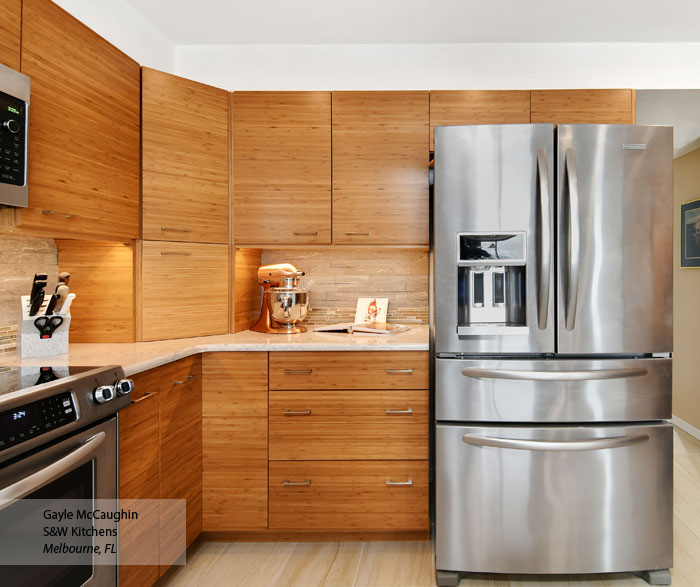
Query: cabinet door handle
{"type": "Point", "coordinates": [175, 229]}
{"type": "Point", "coordinates": [177, 383]}
{"type": "Point", "coordinates": [297, 371]}
{"type": "Point", "coordinates": [352, 233]}
{"type": "Point", "coordinates": [185, 380]}
{"type": "Point", "coordinates": [288, 483]}
{"type": "Point", "coordinates": [298, 413]}
{"type": "Point", "coordinates": [143, 397]}
{"type": "Point", "coordinates": [66, 214]}
{"type": "Point", "coordinates": [191, 376]}
{"type": "Point", "coordinates": [408, 411]}
{"type": "Point", "coordinates": [390, 482]}
{"type": "Point", "coordinates": [409, 371]}
{"type": "Point", "coordinates": [183, 253]}
{"type": "Point", "coordinates": [305, 234]}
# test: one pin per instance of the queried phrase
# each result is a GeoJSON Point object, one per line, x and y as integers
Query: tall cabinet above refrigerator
{"type": "Point", "coordinates": [553, 337]}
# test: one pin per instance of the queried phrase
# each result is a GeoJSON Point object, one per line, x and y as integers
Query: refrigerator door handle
{"type": "Point", "coordinates": [545, 235]}
{"type": "Point", "coordinates": [554, 375]}
{"type": "Point", "coordinates": [574, 239]}
{"type": "Point", "coordinates": [568, 445]}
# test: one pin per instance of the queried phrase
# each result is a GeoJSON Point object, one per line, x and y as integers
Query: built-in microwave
{"type": "Point", "coordinates": [14, 135]}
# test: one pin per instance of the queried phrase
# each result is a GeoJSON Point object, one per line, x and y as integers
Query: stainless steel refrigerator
{"type": "Point", "coordinates": [553, 338]}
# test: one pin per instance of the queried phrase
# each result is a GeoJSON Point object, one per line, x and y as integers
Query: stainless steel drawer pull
{"type": "Point", "coordinates": [191, 376]}
{"type": "Point", "coordinates": [143, 397]}
{"type": "Point", "coordinates": [357, 233]}
{"type": "Point", "coordinates": [289, 483]}
{"type": "Point", "coordinates": [567, 445]}
{"type": "Point", "coordinates": [176, 229]}
{"type": "Point", "coordinates": [183, 253]}
{"type": "Point", "coordinates": [408, 411]}
{"type": "Point", "coordinates": [297, 371]}
{"type": "Point", "coordinates": [66, 214]}
{"type": "Point", "coordinates": [554, 375]}
{"type": "Point", "coordinates": [390, 482]}
{"type": "Point", "coordinates": [305, 234]}
{"type": "Point", "coordinates": [409, 371]}
{"type": "Point", "coordinates": [299, 413]}
{"type": "Point", "coordinates": [177, 383]}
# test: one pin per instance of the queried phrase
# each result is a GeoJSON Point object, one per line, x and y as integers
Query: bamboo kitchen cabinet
{"type": "Point", "coordinates": [139, 479]}
{"type": "Point", "coordinates": [183, 289]}
{"type": "Point", "coordinates": [461, 107]}
{"type": "Point", "coordinates": [281, 167]}
{"type": "Point", "coordinates": [10, 32]}
{"type": "Point", "coordinates": [83, 170]}
{"type": "Point", "coordinates": [185, 150]}
{"type": "Point", "coordinates": [380, 174]}
{"type": "Point", "coordinates": [584, 106]}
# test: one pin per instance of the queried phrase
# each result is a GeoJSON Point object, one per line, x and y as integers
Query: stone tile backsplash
{"type": "Point", "coordinates": [20, 258]}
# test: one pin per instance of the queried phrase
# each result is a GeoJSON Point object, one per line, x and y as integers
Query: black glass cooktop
{"type": "Point", "coordinates": [17, 378]}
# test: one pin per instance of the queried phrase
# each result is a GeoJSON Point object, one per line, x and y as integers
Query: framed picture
{"type": "Point", "coordinates": [690, 234]}
{"type": "Point", "coordinates": [371, 310]}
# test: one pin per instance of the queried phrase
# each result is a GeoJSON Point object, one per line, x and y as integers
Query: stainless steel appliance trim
{"type": "Point", "coordinates": [408, 411]}
{"type": "Point", "coordinates": [534, 375]}
{"type": "Point", "coordinates": [29, 484]}
{"type": "Point", "coordinates": [574, 259]}
{"type": "Point", "coordinates": [546, 239]}
{"type": "Point", "coordinates": [297, 413]}
{"type": "Point", "coordinates": [393, 371]}
{"type": "Point", "coordinates": [288, 483]}
{"type": "Point", "coordinates": [518, 444]}
{"type": "Point", "coordinates": [18, 85]}
{"type": "Point", "coordinates": [399, 483]}
{"type": "Point", "coordinates": [634, 147]}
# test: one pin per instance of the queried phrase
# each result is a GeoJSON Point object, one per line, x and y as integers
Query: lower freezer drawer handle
{"type": "Point", "coordinates": [595, 374]}
{"type": "Point", "coordinates": [567, 445]}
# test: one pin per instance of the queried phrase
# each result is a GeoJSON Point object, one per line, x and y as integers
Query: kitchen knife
{"type": "Point", "coordinates": [66, 304]}
{"type": "Point", "coordinates": [52, 304]}
{"type": "Point", "coordinates": [36, 303]}
{"type": "Point", "coordinates": [62, 290]}
{"type": "Point", "coordinates": [37, 277]}
{"type": "Point", "coordinates": [36, 286]}
{"type": "Point", "coordinates": [63, 279]}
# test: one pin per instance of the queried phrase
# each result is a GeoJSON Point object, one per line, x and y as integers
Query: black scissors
{"type": "Point", "coordinates": [47, 324]}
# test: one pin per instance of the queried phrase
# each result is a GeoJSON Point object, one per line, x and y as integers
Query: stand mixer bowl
{"type": "Point", "coordinates": [288, 305]}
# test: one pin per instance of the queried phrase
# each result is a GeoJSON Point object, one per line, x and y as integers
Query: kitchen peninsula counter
{"type": "Point", "coordinates": [140, 356]}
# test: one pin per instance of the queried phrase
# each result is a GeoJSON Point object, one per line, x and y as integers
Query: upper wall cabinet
{"type": "Point", "coordinates": [456, 107]}
{"type": "Point", "coordinates": [282, 167]}
{"type": "Point", "coordinates": [583, 106]}
{"type": "Point", "coordinates": [380, 167]}
{"type": "Point", "coordinates": [185, 159]}
{"type": "Point", "coordinates": [84, 133]}
{"type": "Point", "coordinates": [10, 32]}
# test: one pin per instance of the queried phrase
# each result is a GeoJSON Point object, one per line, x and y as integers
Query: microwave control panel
{"type": "Point", "coordinates": [13, 139]}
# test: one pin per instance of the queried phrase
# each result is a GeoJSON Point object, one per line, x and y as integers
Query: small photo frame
{"type": "Point", "coordinates": [690, 234]}
{"type": "Point", "coordinates": [371, 310]}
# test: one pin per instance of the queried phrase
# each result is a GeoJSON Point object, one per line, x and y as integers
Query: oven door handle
{"type": "Point", "coordinates": [24, 487]}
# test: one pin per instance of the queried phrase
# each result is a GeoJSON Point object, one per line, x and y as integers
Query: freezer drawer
{"type": "Point", "coordinates": [553, 390]}
{"type": "Point", "coordinates": [554, 499]}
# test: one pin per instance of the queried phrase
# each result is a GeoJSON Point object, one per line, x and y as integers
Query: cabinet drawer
{"type": "Point", "coordinates": [349, 495]}
{"type": "Point", "coordinates": [349, 370]}
{"type": "Point", "coordinates": [350, 425]}
{"type": "Point", "coordinates": [181, 395]}
{"type": "Point", "coordinates": [184, 289]}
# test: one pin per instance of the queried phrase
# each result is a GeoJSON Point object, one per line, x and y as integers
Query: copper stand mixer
{"type": "Point", "coordinates": [284, 302]}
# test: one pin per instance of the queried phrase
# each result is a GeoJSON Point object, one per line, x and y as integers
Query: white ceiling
{"type": "Point", "coordinates": [186, 22]}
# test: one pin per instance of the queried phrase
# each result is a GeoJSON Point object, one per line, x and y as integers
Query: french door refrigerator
{"type": "Point", "coordinates": [553, 338]}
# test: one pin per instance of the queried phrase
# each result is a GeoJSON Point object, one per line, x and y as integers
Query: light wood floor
{"type": "Point", "coordinates": [412, 564]}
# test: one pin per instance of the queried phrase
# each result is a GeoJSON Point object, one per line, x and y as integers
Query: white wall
{"type": "Point", "coordinates": [442, 66]}
{"type": "Point", "coordinates": [125, 28]}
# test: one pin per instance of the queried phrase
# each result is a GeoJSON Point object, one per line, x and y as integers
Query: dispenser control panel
{"type": "Point", "coordinates": [491, 248]}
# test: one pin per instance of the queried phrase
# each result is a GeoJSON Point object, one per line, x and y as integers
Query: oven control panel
{"type": "Point", "coordinates": [34, 419]}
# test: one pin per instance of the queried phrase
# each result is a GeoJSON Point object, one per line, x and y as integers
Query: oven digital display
{"type": "Point", "coordinates": [36, 418]}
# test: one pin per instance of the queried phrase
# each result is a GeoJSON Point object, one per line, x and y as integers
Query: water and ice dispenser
{"type": "Point", "coordinates": [491, 282]}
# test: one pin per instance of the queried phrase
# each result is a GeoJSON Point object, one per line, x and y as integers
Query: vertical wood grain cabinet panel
{"type": "Point", "coordinates": [102, 277]}
{"type": "Point", "coordinates": [184, 289]}
{"type": "Point", "coordinates": [584, 106]}
{"type": "Point", "coordinates": [180, 385]}
{"type": "Point", "coordinates": [234, 424]}
{"type": "Point", "coordinates": [84, 132]}
{"type": "Point", "coordinates": [139, 464]}
{"type": "Point", "coordinates": [282, 167]}
{"type": "Point", "coordinates": [185, 145]}
{"type": "Point", "coordinates": [457, 107]}
{"type": "Point", "coordinates": [10, 32]}
{"type": "Point", "coordinates": [380, 173]}
{"type": "Point", "coordinates": [246, 290]}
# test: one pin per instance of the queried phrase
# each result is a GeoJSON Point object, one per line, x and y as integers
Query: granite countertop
{"type": "Point", "coordinates": [140, 356]}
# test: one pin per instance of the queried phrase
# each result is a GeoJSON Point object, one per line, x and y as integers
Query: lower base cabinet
{"type": "Point", "coordinates": [350, 496]}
